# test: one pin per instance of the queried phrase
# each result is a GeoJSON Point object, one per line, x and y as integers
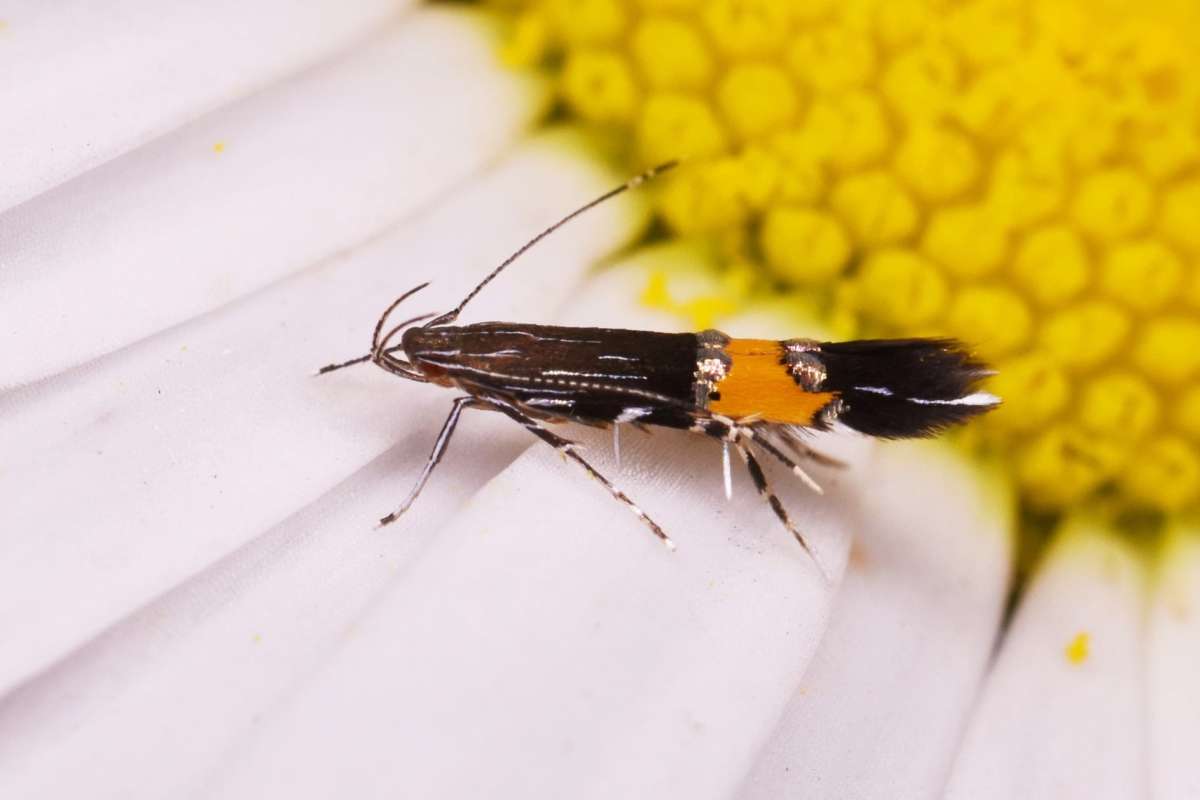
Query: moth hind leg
{"type": "Point", "coordinates": [566, 448]}
{"type": "Point", "coordinates": [764, 489]}
{"type": "Point", "coordinates": [724, 431]}
{"type": "Point", "coordinates": [793, 438]}
{"type": "Point", "coordinates": [783, 458]}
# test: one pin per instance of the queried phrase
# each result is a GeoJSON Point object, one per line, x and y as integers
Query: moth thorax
{"type": "Point", "coordinates": [804, 363]}
{"type": "Point", "coordinates": [712, 364]}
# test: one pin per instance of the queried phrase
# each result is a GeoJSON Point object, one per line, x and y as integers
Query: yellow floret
{"type": "Point", "coordinates": [1093, 140]}
{"type": "Point", "coordinates": [937, 162]}
{"type": "Point", "coordinates": [967, 241]}
{"type": "Point", "coordinates": [707, 198]}
{"type": "Point", "coordinates": [756, 98]}
{"type": "Point", "coordinates": [876, 208]}
{"type": "Point", "coordinates": [1167, 474]}
{"type": "Point", "coordinates": [1052, 265]}
{"type": "Point", "coordinates": [1086, 334]}
{"type": "Point", "coordinates": [1120, 404]}
{"type": "Point", "coordinates": [994, 319]}
{"type": "Point", "coordinates": [747, 27]}
{"type": "Point", "coordinates": [1167, 149]}
{"type": "Point", "coordinates": [1026, 186]}
{"type": "Point", "coordinates": [1187, 411]}
{"type": "Point", "coordinates": [902, 22]}
{"type": "Point", "coordinates": [832, 59]}
{"type": "Point", "coordinates": [809, 13]}
{"type": "Point", "coordinates": [1144, 275]}
{"type": "Point", "coordinates": [802, 174]}
{"type": "Point", "coordinates": [599, 86]}
{"type": "Point", "coordinates": [803, 246]}
{"type": "Point", "coordinates": [902, 289]}
{"type": "Point", "coordinates": [1035, 391]}
{"type": "Point", "coordinates": [849, 131]}
{"type": "Point", "coordinates": [920, 84]}
{"type": "Point", "coordinates": [1169, 349]}
{"type": "Point", "coordinates": [678, 126]}
{"type": "Point", "coordinates": [1113, 204]}
{"type": "Point", "coordinates": [1063, 464]}
{"type": "Point", "coordinates": [671, 54]}
{"type": "Point", "coordinates": [529, 40]}
{"type": "Point", "coordinates": [760, 175]}
{"type": "Point", "coordinates": [1180, 212]}
{"type": "Point", "coordinates": [987, 33]}
{"type": "Point", "coordinates": [670, 5]}
{"type": "Point", "coordinates": [587, 22]}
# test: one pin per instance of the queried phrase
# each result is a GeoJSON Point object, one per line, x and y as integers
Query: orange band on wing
{"type": "Point", "coordinates": [758, 384]}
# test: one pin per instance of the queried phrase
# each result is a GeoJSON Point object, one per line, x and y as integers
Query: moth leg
{"type": "Point", "coordinates": [726, 471]}
{"type": "Point", "coordinates": [782, 458]}
{"type": "Point", "coordinates": [435, 456]}
{"type": "Point", "coordinates": [724, 432]}
{"type": "Point", "coordinates": [793, 439]}
{"type": "Point", "coordinates": [566, 448]}
{"type": "Point", "coordinates": [764, 489]}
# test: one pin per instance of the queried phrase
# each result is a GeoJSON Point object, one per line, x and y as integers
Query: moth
{"type": "Point", "coordinates": [756, 396]}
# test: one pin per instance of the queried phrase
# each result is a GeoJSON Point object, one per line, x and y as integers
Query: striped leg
{"type": "Point", "coordinates": [793, 438]}
{"type": "Point", "coordinates": [764, 489]}
{"type": "Point", "coordinates": [439, 447]}
{"type": "Point", "coordinates": [566, 448]}
{"type": "Point", "coordinates": [781, 457]}
{"type": "Point", "coordinates": [741, 437]}
{"type": "Point", "coordinates": [729, 431]}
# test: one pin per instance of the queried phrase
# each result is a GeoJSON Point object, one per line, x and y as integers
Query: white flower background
{"type": "Point", "coordinates": [203, 202]}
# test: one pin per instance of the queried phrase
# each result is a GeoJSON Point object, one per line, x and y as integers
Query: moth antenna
{"type": "Point", "coordinates": [450, 316]}
{"type": "Point", "coordinates": [376, 348]}
{"type": "Point", "coordinates": [343, 364]}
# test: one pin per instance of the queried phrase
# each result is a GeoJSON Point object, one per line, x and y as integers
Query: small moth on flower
{"type": "Point", "coordinates": [754, 395]}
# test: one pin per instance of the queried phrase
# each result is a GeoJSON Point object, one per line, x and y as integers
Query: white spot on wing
{"type": "Point", "coordinates": [976, 399]}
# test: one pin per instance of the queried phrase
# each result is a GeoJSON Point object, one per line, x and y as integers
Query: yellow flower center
{"type": "Point", "coordinates": [1023, 174]}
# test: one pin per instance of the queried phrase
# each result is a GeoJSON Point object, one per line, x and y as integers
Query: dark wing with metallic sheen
{"type": "Point", "coordinates": [587, 374]}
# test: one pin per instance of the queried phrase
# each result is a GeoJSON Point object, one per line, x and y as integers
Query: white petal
{"type": "Point", "coordinates": [83, 82]}
{"type": "Point", "coordinates": [546, 644]}
{"type": "Point", "coordinates": [1173, 664]}
{"type": "Point", "coordinates": [313, 166]}
{"type": "Point", "coordinates": [1059, 715]}
{"type": "Point", "coordinates": [122, 480]}
{"type": "Point", "coordinates": [880, 711]}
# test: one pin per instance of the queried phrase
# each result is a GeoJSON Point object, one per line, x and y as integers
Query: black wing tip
{"type": "Point", "coordinates": [906, 388]}
{"type": "Point", "coordinates": [891, 420]}
{"type": "Point", "coordinates": [941, 368]}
